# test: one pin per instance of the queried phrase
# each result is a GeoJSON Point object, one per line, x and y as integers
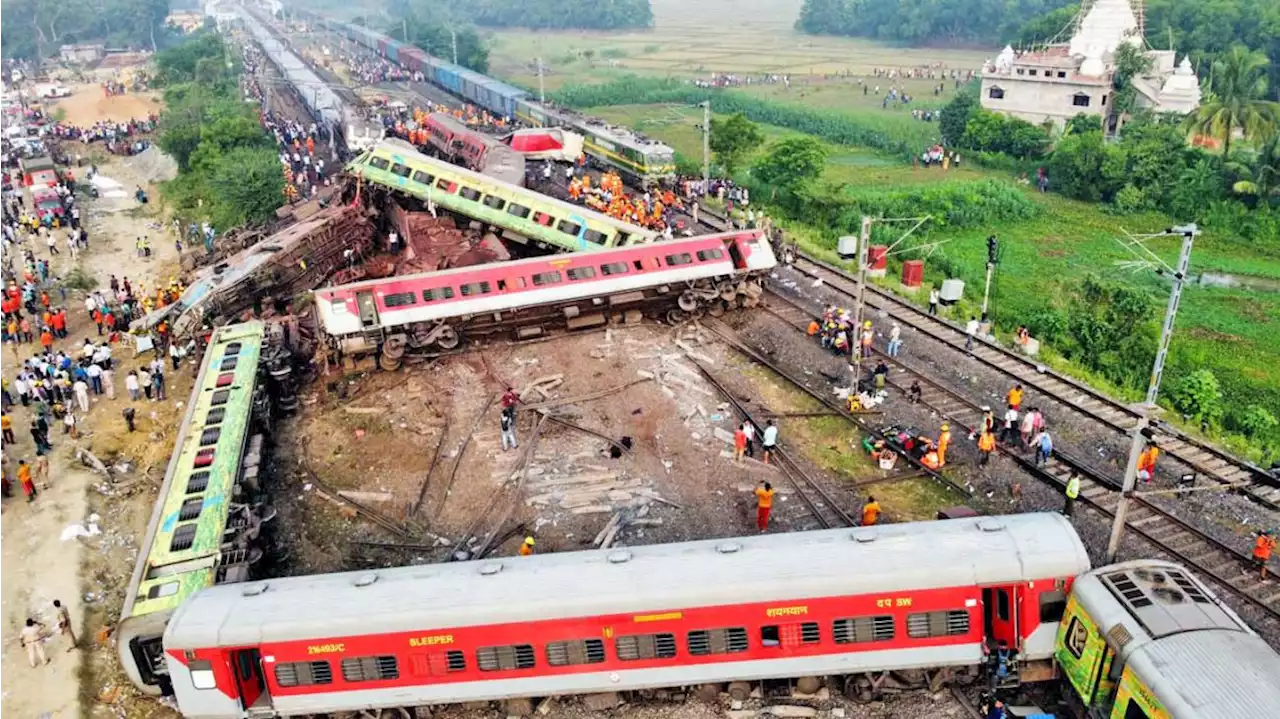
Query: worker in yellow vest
{"type": "Point", "coordinates": [1073, 491]}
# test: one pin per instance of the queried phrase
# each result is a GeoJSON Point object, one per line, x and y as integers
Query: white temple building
{"type": "Point", "coordinates": [1061, 80]}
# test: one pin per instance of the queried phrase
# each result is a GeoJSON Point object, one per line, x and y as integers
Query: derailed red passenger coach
{"type": "Point", "coordinates": [711, 272]}
{"type": "Point", "coordinates": [935, 595]}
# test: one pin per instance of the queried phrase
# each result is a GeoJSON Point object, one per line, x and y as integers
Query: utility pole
{"type": "Point", "coordinates": [542, 90]}
{"type": "Point", "coordinates": [404, 25]}
{"type": "Point", "coordinates": [991, 266]}
{"type": "Point", "coordinates": [453, 35]}
{"type": "Point", "coordinates": [706, 142]}
{"type": "Point", "coordinates": [864, 264]}
{"type": "Point", "coordinates": [855, 342]}
{"type": "Point", "coordinates": [1138, 435]}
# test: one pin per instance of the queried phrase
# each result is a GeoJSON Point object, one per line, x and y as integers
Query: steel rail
{"type": "Point", "coordinates": [1202, 457]}
{"type": "Point", "coordinates": [1167, 532]}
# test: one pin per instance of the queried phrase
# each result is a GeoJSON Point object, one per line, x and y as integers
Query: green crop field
{"type": "Point", "coordinates": [743, 37]}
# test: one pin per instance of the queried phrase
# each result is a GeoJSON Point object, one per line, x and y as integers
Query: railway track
{"type": "Point", "coordinates": [1203, 458]}
{"type": "Point", "coordinates": [825, 508]}
{"type": "Point", "coordinates": [1168, 533]}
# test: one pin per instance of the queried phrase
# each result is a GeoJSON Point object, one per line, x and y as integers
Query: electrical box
{"type": "Point", "coordinates": [952, 290]}
{"type": "Point", "coordinates": [847, 247]}
{"type": "Point", "coordinates": [912, 273]}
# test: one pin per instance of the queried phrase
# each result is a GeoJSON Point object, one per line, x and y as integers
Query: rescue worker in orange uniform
{"type": "Point", "coordinates": [944, 441]}
{"type": "Point", "coordinates": [1147, 462]}
{"type": "Point", "coordinates": [986, 445]}
{"type": "Point", "coordinates": [526, 548]}
{"type": "Point", "coordinates": [764, 504]}
{"type": "Point", "coordinates": [870, 512]}
{"type": "Point", "coordinates": [1262, 548]}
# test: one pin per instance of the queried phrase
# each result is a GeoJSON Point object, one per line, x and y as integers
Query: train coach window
{"type": "Point", "coordinates": [546, 278]}
{"type": "Point", "coordinates": [438, 663]}
{"type": "Point", "coordinates": [937, 624]}
{"type": "Point", "coordinates": [470, 194]}
{"type": "Point", "coordinates": [794, 635]}
{"type": "Point", "coordinates": [399, 299]}
{"type": "Point", "coordinates": [514, 283]}
{"type": "Point", "coordinates": [296, 674]}
{"type": "Point", "coordinates": [202, 674]}
{"type": "Point", "coordinates": [439, 293]}
{"type": "Point", "coordinates": [684, 258]}
{"type": "Point", "coordinates": [220, 397]}
{"type": "Point", "coordinates": [495, 202]}
{"type": "Point", "coordinates": [708, 255]}
{"type": "Point", "coordinates": [444, 184]}
{"type": "Point", "coordinates": [595, 238]}
{"type": "Point", "coordinates": [863, 629]}
{"type": "Point", "coordinates": [231, 349]}
{"type": "Point", "coordinates": [1002, 604]}
{"type": "Point", "coordinates": [645, 646]}
{"type": "Point", "coordinates": [401, 170]}
{"type": "Point", "coordinates": [215, 415]}
{"type": "Point", "coordinates": [1052, 606]}
{"type": "Point", "coordinates": [190, 509]}
{"type": "Point", "coordinates": [210, 436]}
{"type": "Point", "coordinates": [183, 537]}
{"type": "Point", "coordinates": [614, 268]}
{"type": "Point", "coordinates": [581, 273]}
{"type": "Point", "coordinates": [577, 651]}
{"type": "Point", "coordinates": [518, 210]}
{"type": "Point", "coordinates": [368, 669]}
{"type": "Point", "coordinates": [511, 656]}
{"type": "Point", "coordinates": [423, 178]}
{"type": "Point", "coordinates": [228, 363]}
{"type": "Point", "coordinates": [718, 641]}
{"type": "Point", "coordinates": [569, 228]}
{"type": "Point", "coordinates": [197, 482]}
{"type": "Point", "coordinates": [379, 163]}
{"type": "Point", "coordinates": [475, 288]}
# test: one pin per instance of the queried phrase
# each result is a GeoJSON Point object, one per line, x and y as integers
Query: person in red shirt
{"type": "Point", "coordinates": [46, 338]}
{"type": "Point", "coordinates": [739, 444]}
{"type": "Point", "coordinates": [97, 319]}
{"type": "Point", "coordinates": [60, 322]}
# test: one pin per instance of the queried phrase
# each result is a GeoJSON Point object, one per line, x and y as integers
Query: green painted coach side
{"type": "Point", "coordinates": [587, 222]}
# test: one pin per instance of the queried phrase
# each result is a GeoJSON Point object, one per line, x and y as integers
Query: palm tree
{"type": "Point", "coordinates": [1261, 178]}
{"type": "Point", "coordinates": [1237, 88]}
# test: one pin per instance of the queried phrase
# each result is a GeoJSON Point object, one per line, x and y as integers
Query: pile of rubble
{"type": "Point", "coordinates": [433, 243]}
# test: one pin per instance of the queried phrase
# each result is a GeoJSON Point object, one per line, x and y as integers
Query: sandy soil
{"type": "Point", "coordinates": [38, 565]}
{"type": "Point", "coordinates": [88, 105]}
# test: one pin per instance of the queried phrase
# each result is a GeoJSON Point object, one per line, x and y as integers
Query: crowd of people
{"type": "Point", "coordinates": [118, 138]}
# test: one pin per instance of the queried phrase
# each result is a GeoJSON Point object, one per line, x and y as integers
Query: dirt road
{"type": "Point", "coordinates": [38, 564]}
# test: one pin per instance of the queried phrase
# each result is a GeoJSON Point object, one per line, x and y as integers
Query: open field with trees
{"type": "Point", "coordinates": [1061, 261]}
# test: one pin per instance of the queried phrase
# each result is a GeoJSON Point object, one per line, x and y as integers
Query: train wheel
{"type": "Point", "coordinates": [448, 338]}
{"type": "Point", "coordinates": [727, 291]}
{"type": "Point", "coordinates": [390, 364]}
{"type": "Point", "coordinates": [688, 301]}
{"type": "Point", "coordinates": [750, 302]}
{"type": "Point", "coordinates": [675, 316]}
{"type": "Point", "coordinates": [716, 309]}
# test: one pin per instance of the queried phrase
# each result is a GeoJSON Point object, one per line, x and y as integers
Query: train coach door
{"type": "Point", "coordinates": [1000, 617]}
{"type": "Point", "coordinates": [250, 682]}
{"type": "Point", "coordinates": [368, 310]}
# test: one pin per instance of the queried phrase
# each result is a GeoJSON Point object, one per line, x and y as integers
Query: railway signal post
{"type": "Point", "coordinates": [1138, 433]}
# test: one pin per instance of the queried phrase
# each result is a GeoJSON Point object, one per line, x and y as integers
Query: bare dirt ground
{"type": "Point", "coordinates": [88, 104]}
{"type": "Point", "coordinates": [88, 573]}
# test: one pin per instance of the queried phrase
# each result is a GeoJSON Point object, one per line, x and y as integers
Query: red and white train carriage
{"type": "Point", "coordinates": [578, 289]}
{"type": "Point", "coordinates": [896, 597]}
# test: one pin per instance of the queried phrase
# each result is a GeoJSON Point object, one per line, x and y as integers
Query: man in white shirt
{"type": "Point", "coordinates": [770, 440]}
{"type": "Point", "coordinates": [970, 331]}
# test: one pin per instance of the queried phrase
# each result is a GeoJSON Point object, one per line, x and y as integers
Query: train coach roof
{"type": "Point", "coordinates": [897, 557]}
{"type": "Point", "coordinates": [1211, 674]}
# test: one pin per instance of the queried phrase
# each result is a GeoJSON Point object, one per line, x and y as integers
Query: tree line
{"type": "Point", "coordinates": [40, 27]}
{"type": "Point", "coordinates": [229, 172]}
{"type": "Point", "coordinates": [922, 21]}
